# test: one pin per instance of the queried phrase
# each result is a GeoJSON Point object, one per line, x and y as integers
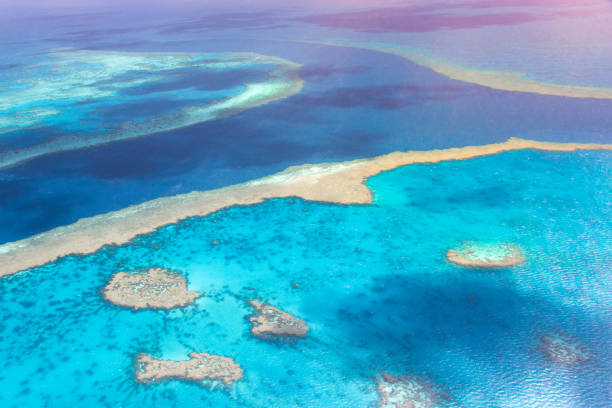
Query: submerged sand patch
{"type": "Point", "coordinates": [341, 183]}
{"type": "Point", "coordinates": [407, 392]}
{"type": "Point", "coordinates": [486, 256]}
{"type": "Point", "coordinates": [153, 289]}
{"type": "Point", "coordinates": [199, 367]}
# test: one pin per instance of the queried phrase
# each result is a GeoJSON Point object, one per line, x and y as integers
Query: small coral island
{"type": "Point", "coordinates": [270, 323]}
{"type": "Point", "coordinates": [407, 392]}
{"type": "Point", "coordinates": [561, 349]}
{"type": "Point", "coordinates": [199, 367]}
{"type": "Point", "coordinates": [155, 289]}
{"type": "Point", "coordinates": [485, 256]}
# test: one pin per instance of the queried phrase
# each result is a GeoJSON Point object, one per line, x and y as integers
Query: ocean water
{"type": "Point", "coordinates": [371, 281]}
{"type": "Point", "coordinates": [349, 108]}
{"type": "Point", "coordinates": [374, 288]}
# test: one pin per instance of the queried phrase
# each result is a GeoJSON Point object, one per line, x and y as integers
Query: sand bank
{"type": "Point", "coordinates": [341, 183]}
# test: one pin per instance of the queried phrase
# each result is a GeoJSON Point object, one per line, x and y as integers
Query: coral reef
{"type": "Point", "coordinates": [270, 322]}
{"type": "Point", "coordinates": [200, 366]}
{"type": "Point", "coordinates": [154, 289]}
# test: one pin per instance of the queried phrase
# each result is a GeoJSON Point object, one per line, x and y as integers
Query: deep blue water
{"type": "Point", "coordinates": [349, 108]}
{"type": "Point", "coordinates": [374, 288]}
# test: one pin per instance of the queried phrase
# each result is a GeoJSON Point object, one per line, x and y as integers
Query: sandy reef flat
{"type": "Point", "coordinates": [153, 289]}
{"type": "Point", "coordinates": [199, 367]}
{"type": "Point", "coordinates": [341, 183]}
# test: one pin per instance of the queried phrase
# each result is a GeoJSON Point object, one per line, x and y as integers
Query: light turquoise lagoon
{"type": "Point", "coordinates": [372, 283]}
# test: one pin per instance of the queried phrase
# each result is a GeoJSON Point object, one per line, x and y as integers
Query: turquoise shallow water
{"type": "Point", "coordinates": [374, 288]}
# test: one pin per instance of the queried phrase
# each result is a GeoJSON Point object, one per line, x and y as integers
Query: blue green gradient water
{"type": "Point", "coordinates": [374, 288]}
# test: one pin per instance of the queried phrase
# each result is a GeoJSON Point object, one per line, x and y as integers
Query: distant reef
{"type": "Point", "coordinates": [341, 183]}
{"type": "Point", "coordinates": [271, 323]}
{"type": "Point", "coordinates": [505, 81]}
{"type": "Point", "coordinates": [102, 74]}
{"type": "Point", "coordinates": [153, 289]}
{"type": "Point", "coordinates": [199, 367]}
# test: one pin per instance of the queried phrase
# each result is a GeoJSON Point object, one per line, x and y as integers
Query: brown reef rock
{"type": "Point", "coordinates": [154, 289]}
{"type": "Point", "coordinates": [270, 322]}
{"type": "Point", "coordinates": [200, 366]}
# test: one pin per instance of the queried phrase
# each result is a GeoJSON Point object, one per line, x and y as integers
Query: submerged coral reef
{"type": "Point", "coordinates": [562, 349]}
{"type": "Point", "coordinates": [75, 80]}
{"type": "Point", "coordinates": [485, 256]}
{"type": "Point", "coordinates": [407, 392]}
